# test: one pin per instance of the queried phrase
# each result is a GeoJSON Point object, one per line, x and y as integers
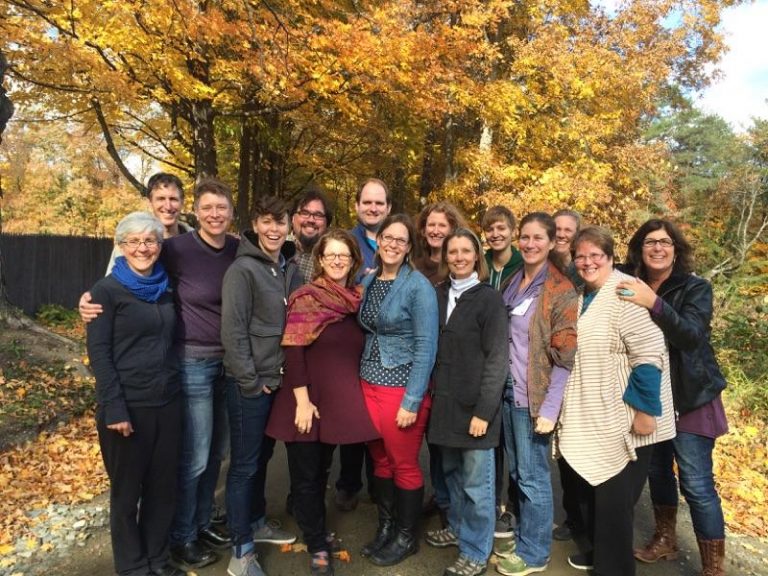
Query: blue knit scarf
{"type": "Point", "coordinates": [146, 288]}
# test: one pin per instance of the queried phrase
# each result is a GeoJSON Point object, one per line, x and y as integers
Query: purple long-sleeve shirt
{"type": "Point", "coordinates": [196, 270]}
{"type": "Point", "coordinates": [522, 305]}
{"type": "Point", "coordinates": [708, 420]}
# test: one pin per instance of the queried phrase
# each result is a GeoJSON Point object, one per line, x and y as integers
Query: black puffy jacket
{"type": "Point", "coordinates": [685, 320]}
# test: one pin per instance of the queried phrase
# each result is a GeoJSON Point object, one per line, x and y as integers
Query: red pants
{"type": "Point", "coordinates": [396, 454]}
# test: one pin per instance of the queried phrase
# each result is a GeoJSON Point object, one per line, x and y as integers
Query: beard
{"type": "Point", "coordinates": [308, 242]}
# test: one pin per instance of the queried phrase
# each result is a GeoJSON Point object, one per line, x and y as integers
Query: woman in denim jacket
{"type": "Point", "coordinates": [399, 316]}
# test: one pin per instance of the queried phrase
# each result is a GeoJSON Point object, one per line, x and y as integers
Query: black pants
{"type": "Point", "coordinates": [351, 459]}
{"type": "Point", "coordinates": [610, 515]}
{"type": "Point", "coordinates": [142, 471]}
{"type": "Point", "coordinates": [569, 481]}
{"type": "Point", "coordinates": [308, 465]}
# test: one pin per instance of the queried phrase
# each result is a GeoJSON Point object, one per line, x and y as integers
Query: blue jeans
{"type": "Point", "coordinates": [693, 454]}
{"type": "Point", "coordinates": [528, 461]}
{"type": "Point", "coordinates": [247, 422]}
{"type": "Point", "coordinates": [204, 441]}
{"type": "Point", "coordinates": [470, 477]}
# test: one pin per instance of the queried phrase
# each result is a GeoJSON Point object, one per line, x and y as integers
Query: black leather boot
{"type": "Point", "coordinates": [406, 538]}
{"type": "Point", "coordinates": [384, 490]}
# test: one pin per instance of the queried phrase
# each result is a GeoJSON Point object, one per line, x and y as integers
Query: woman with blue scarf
{"type": "Point", "coordinates": [137, 388]}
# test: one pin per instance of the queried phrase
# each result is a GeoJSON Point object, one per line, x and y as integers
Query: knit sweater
{"type": "Point", "coordinates": [595, 432]}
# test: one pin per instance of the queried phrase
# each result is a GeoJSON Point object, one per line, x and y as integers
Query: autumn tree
{"type": "Point", "coordinates": [534, 104]}
{"type": "Point", "coordinates": [717, 184]}
{"type": "Point", "coordinates": [60, 180]}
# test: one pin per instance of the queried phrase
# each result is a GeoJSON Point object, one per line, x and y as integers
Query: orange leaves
{"type": "Point", "coordinates": [741, 471]}
{"type": "Point", "coordinates": [61, 467]}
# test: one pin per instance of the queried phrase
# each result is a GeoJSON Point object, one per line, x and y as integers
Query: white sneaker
{"type": "Point", "coordinates": [247, 565]}
{"type": "Point", "coordinates": [272, 533]}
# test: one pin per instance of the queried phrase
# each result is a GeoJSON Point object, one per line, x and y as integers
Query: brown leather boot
{"type": "Point", "coordinates": [663, 545]}
{"type": "Point", "coordinates": [712, 557]}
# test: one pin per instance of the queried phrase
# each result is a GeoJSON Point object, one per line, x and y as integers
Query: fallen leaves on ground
{"type": "Point", "coordinates": [35, 395]}
{"type": "Point", "coordinates": [61, 467]}
{"type": "Point", "coordinates": [741, 472]}
{"type": "Point", "coordinates": [299, 547]}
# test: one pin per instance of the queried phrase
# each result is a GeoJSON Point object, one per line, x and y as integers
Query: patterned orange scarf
{"type": "Point", "coordinates": [314, 306]}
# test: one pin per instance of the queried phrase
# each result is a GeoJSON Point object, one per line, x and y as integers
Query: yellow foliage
{"type": "Point", "coordinates": [400, 89]}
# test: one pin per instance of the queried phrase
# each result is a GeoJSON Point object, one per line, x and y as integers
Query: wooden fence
{"type": "Point", "coordinates": [42, 269]}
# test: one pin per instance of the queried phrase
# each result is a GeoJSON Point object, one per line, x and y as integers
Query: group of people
{"type": "Point", "coordinates": [206, 346]}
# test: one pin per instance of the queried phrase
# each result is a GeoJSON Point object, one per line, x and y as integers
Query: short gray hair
{"type": "Point", "coordinates": [136, 223]}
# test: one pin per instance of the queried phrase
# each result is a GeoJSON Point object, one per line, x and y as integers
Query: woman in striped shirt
{"type": "Point", "coordinates": [617, 405]}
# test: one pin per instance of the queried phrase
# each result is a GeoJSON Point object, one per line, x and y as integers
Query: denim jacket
{"type": "Point", "coordinates": [407, 330]}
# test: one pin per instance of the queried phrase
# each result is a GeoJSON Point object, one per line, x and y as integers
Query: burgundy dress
{"type": "Point", "coordinates": [330, 368]}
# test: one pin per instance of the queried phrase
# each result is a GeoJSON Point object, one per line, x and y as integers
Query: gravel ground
{"type": "Point", "coordinates": [74, 541]}
{"type": "Point", "coordinates": [59, 533]}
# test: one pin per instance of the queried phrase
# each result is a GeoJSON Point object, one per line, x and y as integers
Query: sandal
{"type": "Point", "coordinates": [321, 564]}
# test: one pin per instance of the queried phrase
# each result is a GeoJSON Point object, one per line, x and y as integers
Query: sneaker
{"type": "Point", "coordinates": [321, 564]}
{"type": "Point", "coordinates": [441, 538]}
{"type": "Point", "coordinates": [504, 547]}
{"type": "Point", "coordinates": [271, 533]}
{"type": "Point", "coordinates": [504, 525]}
{"type": "Point", "coordinates": [346, 501]}
{"type": "Point", "coordinates": [582, 561]}
{"type": "Point", "coordinates": [515, 566]}
{"type": "Point", "coordinates": [248, 565]}
{"type": "Point", "coordinates": [465, 567]}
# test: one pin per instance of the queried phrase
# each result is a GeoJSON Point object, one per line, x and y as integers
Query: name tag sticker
{"type": "Point", "coordinates": [522, 308]}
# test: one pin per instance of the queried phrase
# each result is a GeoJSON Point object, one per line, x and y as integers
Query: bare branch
{"type": "Point", "coordinates": [112, 150]}
{"type": "Point", "coordinates": [58, 87]}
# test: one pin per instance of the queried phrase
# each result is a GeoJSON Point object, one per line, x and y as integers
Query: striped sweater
{"type": "Point", "coordinates": [595, 432]}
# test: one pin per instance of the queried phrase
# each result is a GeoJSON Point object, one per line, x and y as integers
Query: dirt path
{"type": "Point", "coordinates": [747, 556]}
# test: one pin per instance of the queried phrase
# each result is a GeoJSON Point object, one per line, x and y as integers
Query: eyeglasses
{"type": "Point", "coordinates": [653, 242]}
{"type": "Point", "coordinates": [134, 244]}
{"type": "Point", "coordinates": [595, 257]}
{"type": "Point", "coordinates": [343, 258]}
{"type": "Point", "coordinates": [312, 215]}
{"type": "Point", "coordinates": [387, 239]}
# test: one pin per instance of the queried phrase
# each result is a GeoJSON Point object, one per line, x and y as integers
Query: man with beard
{"type": "Point", "coordinates": [311, 218]}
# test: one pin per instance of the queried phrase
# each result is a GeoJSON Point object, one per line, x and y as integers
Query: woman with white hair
{"type": "Point", "coordinates": [137, 388]}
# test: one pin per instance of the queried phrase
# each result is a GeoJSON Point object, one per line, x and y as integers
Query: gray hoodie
{"type": "Point", "coordinates": [254, 297]}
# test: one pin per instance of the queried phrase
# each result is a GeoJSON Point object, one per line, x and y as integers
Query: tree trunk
{"type": "Point", "coordinates": [245, 175]}
{"type": "Point", "coordinates": [449, 147]}
{"type": "Point", "coordinates": [203, 139]}
{"type": "Point", "coordinates": [427, 184]}
{"type": "Point", "coordinates": [6, 111]}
